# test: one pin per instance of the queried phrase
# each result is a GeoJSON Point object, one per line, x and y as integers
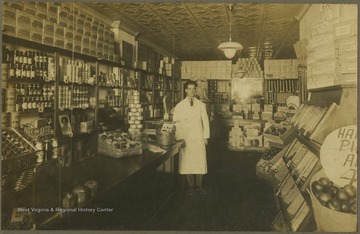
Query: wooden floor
{"type": "Point", "coordinates": [236, 201]}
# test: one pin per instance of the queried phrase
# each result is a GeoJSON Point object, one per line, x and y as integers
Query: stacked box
{"type": "Point", "coordinates": [250, 66]}
{"type": "Point", "coordinates": [9, 24]}
{"type": "Point", "coordinates": [41, 10]}
{"type": "Point", "coordinates": [30, 8]}
{"type": "Point", "coordinates": [48, 33]}
{"type": "Point", "coordinates": [92, 47]}
{"type": "Point", "coordinates": [68, 39]}
{"type": "Point", "coordinates": [71, 22]}
{"type": "Point", "coordinates": [62, 17]}
{"type": "Point", "coordinates": [136, 112]}
{"type": "Point", "coordinates": [36, 27]}
{"type": "Point", "coordinates": [22, 28]}
{"type": "Point", "coordinates": [52, 12]}
{"type": "Point", "coordinates": [105, 51]}
{"type": "Point", "coordinates": [85, 45]}
{"type": "Point", "coordinates": [87, 26]}
{"type": "Point", "coordinates": [347, 63]}
{"type": "Point", "coordinates": [77, 42]}
{"type": "Point", "coordinates": [94, 28]}
{"type": "Point", "coordinates": [59, 32]}
{"type": "Point", "coordinates": [99, 49]}
{"type": "Point", "coordinates": [16, 5]}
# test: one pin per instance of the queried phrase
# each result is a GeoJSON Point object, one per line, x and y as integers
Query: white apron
{"type": "Point", "coordinates": [192, 125]}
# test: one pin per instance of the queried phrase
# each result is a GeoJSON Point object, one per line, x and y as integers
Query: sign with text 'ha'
{"type": "Point", "coordinates": [338, 156]}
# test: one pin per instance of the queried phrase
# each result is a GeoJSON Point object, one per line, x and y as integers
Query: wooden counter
{"type": "Point", "coordinates": [109, 172]}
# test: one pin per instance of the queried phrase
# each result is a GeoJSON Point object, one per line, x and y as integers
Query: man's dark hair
{"type": "Point", "coordinates": [64, 118]}
{"type": "Point", "coordinates": [190, 82]}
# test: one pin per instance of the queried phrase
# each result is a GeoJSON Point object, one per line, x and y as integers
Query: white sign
{"type": "Point", "coordinates": [338, 156]}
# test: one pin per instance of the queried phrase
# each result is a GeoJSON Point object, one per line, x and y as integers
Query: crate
{"type": "Point", "coordinates": [282, 140]}
{"type": "Point", "coordinates": [111, 151]}
{"type": "Point", "coordinates": [18, 161]}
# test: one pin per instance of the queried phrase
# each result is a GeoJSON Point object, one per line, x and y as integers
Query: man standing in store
{"type": "Point", "coordinates": [192, 125]}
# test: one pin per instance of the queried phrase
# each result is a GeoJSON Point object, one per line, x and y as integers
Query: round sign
{"type": "Point", "coordinates": [338, 156]}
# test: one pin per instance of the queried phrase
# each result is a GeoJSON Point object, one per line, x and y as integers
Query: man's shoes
{"type": "Point", "coordinates": [201, 190]}
{"type": "Point", "coordinates": [190, 191]}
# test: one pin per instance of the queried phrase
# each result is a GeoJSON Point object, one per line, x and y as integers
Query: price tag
{"type": "Point", "coordinates": [338, 156]}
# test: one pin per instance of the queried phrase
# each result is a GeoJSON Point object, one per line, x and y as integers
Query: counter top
{"type": "Point", "coordinates": [109, 172]}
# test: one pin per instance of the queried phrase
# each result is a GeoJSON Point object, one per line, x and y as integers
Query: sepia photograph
{"type": "Point", "coordinates": [179, 116]}
{"type": "Point", "coordinates": [65, 125]}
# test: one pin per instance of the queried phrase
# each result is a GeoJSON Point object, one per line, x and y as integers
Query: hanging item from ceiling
{"type": "Point", "coordinates": [229, 48]}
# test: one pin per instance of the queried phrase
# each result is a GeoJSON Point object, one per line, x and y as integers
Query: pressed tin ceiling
{"type": "Point", "coordinates": [193, 31]}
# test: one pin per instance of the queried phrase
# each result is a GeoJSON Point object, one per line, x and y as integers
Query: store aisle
{"type": "Point", "coordinates": [236, 201]}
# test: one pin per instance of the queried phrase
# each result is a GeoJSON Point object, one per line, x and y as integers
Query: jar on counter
{"type": "Point", "coordinates": [81, 194]}
{"type": "Point", "coordinates": [92, 187]}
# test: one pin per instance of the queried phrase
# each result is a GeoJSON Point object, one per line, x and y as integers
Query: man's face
{"type": "Point", "coordinates": [190, 90]}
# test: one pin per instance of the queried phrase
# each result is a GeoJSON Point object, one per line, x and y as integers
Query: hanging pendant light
{"type": "Point", "coordinates": [230, 47]}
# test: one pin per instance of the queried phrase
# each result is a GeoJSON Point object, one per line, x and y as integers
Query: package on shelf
{"type": "Point", "coordinates": [52, 12]}
{"type": "Point", "coordinates": [36, 27]}
{"type": "Point", "coordinates": [250, 66]}
{"type": "Point", "coordinates": [59, 36]}
{"type": "Point", "coordinates": [62, 17]}
{"type": "Point", "coordinates": [85, 45]}
{"type": "Point", "coordinates": [22, 28]}
{"type": "Point", "coordinates": [48, 33]}
{"type": "Point", "coordinates": [8, 16]}
{"type": "Point", "coordinates": [93, 49]}
{"type": "Point", "coordinates": [41, 10]}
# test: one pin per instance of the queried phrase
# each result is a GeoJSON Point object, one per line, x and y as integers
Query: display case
{"type": "Point", "coordinates": [327, 109]}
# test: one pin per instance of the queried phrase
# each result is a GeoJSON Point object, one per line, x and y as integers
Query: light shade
{"type": "Point", "coordinates": [230, 48]}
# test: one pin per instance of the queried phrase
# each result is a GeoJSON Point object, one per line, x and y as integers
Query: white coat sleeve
{"type": "Point", "coordinates": [205, 122]}
{"type": "Point", "coordinates": [177, 120]}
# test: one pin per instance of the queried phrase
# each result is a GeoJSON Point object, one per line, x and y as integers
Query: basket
{"type": "Point", "coordinates": [285, 138]}
{"type": "Point", "coordinates": [165, 139]}
{"type": "Point", "coordinates": [111, 151]}
{"type": "Point", "coordinates": [328, 220]}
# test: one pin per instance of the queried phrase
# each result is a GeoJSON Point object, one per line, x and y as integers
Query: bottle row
{"type": "Point", "coordinates": [31, 90]}
{"type": "Point", "coordinates": [24, 57]}
{"type": "Point", "coordinates": [73, 71]}
{"type": "Point", "coordinates": [76, 97]}
{"type": "Point", "coordinates": [38, 71]}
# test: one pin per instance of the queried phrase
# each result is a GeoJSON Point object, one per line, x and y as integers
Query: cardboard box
{"type": "Point", "coordinates": [30, 8]}
{"type": "Point", "coordinates": [78, 38]}
{"type": "Point", "coordinates": [36, 35]}
{"type": "Point", "coordinates": [344, 29]}
{"type": "Point", "coordinates": [79, 29]}
{"type": "Point", "coordinates": [41, 10]}
{"type": "Point", "coordinates": [77, 47]}
{"type": "Point", "coordinates": [68, 44]}
{"type": "Point", "coordinates": [94, 35]}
